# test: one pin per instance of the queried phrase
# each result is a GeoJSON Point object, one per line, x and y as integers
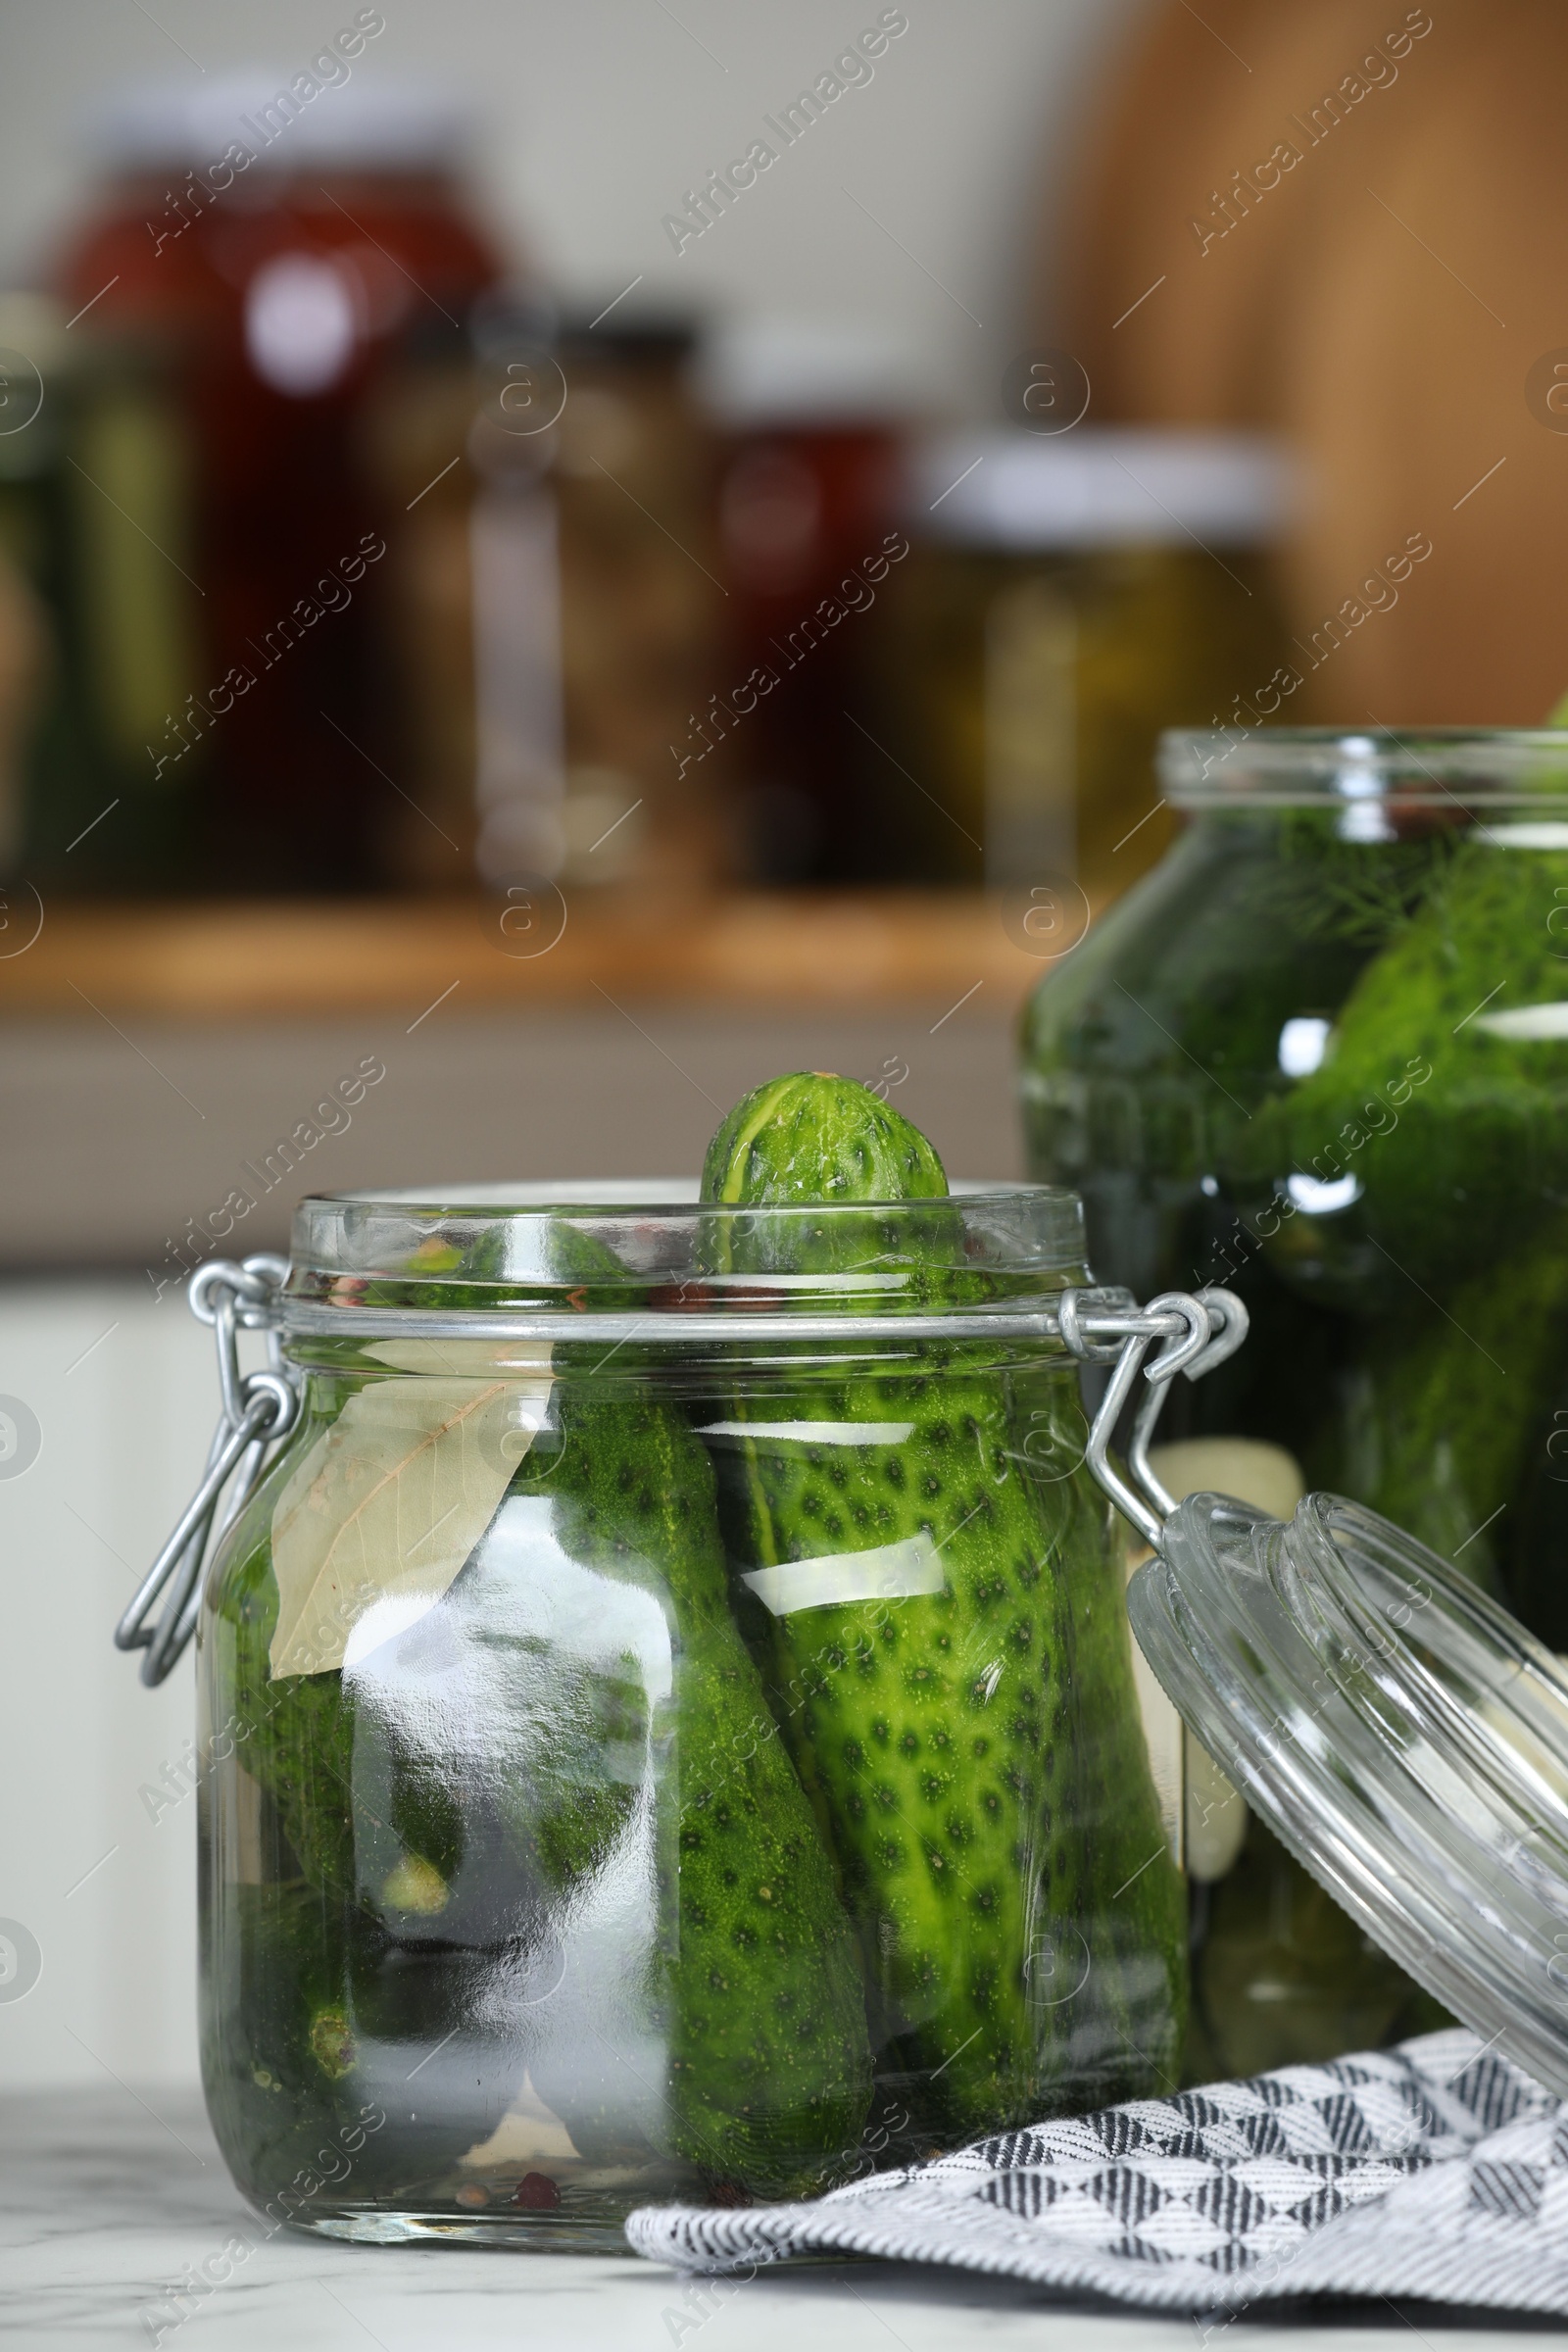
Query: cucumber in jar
{"type": "Point", "coordinates": [314, 2008]}
{"type": "Point", "coordinates": [768, 2063]}
{"type": "Point", "coordinates": [1428, 1141]}
{"type": "Point", "coordinates": [972, 1743]}
{"type": "Point", "coordinates": [303, 2105]}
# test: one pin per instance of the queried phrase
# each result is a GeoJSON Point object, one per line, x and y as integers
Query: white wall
{"type": "Point", "coordinates": [601, 112]}
{"type": "Point", "coordinates": [124, 1393]}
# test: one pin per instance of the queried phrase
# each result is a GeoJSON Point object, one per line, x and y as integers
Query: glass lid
{"type": "Point", "coordinates": [1404, 1735]}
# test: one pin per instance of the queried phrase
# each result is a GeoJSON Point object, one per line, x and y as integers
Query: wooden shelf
{"type": "Point", "coordinates": [222, 961]}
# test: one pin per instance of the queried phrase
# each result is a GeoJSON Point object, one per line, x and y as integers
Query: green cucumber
{"type": "Point", "coordinates": [307, 2032]}
{"type": "Point", "coordinates": [768, 2061]}
{"type": "Point", "coordinates": [327, 1979]}
{"type": "Point", "coordinates": [812, 1136]}
{"type": "Point", "coordinates": [974, 1751]}
{"type": "Point", "coordinates": [1438, 1427]}
{"type": "Point", "coordinates": [363, 1817]}
{"type": "Point", "coordinates": [432, 1844]}
{"type": "Point", "coordinates": [294, 1735]}
{"type": "Point", "coordinates": [1438, 1094]}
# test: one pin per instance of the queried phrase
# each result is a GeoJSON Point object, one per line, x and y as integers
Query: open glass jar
{"type": "Point", "coordinates": [1321, 1055]}
{"type": "Point", "coordinates": [560, 1852]}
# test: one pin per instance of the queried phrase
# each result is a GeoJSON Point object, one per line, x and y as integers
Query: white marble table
{"type": "Point", "coordinates": [104, 2204]}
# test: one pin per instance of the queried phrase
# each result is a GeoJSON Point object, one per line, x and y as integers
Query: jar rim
{"type": "Point", "coordinates": [1290, 768]}
{"type": "Point", "coordinates": [584, 1256]}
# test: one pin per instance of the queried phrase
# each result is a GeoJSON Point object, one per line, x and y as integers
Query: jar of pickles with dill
{"type": "Point", "coordinates": [1320, 1055]}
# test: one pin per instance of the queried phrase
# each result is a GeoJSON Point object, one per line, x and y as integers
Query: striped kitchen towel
{"type": "Point", "coordinates": [1437, 2169]}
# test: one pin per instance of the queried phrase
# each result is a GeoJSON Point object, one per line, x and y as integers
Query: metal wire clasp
{"type": "Point", "coordinates": [257, 1409]}
{"type": "Point", "coordinates": [1195, 1329]}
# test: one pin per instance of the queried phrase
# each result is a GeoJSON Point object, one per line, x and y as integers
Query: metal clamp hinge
{"type": "Point", "coordinates": [1197, 1330]}
{"type": "Point", "coordinates": [259, 1408]}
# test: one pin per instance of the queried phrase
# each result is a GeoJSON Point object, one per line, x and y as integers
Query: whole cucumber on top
{"type": "Point", "coordinates": [812, 1136]}
{"type": "Point", "coordinates": [964, 1716]}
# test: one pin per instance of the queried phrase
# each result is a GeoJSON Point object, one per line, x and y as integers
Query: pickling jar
{"type": "Point", "coordinates": [563, 1847]}
{"type": "Point", "coordinates": [1320, 1055]}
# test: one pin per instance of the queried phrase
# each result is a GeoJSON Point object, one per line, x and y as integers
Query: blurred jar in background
{"type": "Point", "coordinates": [418, 418]}
{"type": "Point", "coordinates": [92, 621]}
{"type": "Point", "coordinates": [642, 605]}
{"type": "Point", "coordinates": [814, 415]}
{"type": "Point", "coordinates": [97, 634]}
{"type": "Point", "coordinates": [1066, 598]}
{"type": "Point", "coordinates": [513, 570]}
{"type": "Point", "coordinates": [303, 258]}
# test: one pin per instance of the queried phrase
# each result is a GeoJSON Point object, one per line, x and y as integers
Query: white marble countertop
{"type": "Point", "coordinates": [108, 2198]}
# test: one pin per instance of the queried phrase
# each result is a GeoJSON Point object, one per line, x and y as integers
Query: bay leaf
{"type": "Point", "coordinates": [388, 1504]}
